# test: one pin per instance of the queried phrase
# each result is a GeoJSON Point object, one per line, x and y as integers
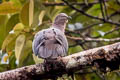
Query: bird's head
{"type": "Point", "coordinates": [61, 20]}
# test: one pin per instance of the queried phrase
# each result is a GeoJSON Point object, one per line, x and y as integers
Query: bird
{"type": "Point", "coordinates": [52, 43]}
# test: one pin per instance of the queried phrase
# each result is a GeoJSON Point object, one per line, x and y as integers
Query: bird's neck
{"type": "Point", "coordinates": [59, 26]}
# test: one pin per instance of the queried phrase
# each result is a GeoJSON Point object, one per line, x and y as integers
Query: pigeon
{"type": "Point", "coordinates": [51, 43]}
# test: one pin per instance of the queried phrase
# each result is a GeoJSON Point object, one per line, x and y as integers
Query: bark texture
{"type": "Point", "coordinates": [105, 58]}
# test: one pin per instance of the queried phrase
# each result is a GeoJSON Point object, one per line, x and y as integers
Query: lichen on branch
{"type": "Point", "coordinates": [105, 58]}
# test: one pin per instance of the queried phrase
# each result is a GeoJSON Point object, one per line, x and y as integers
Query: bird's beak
{"type": "Point", "coordinates": [69, 17]}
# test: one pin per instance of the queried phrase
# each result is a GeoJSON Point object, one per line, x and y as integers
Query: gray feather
{"type": "Point", "coordinates": [50, 43]}
{"type": "Point", "coordinates": [38, 40]}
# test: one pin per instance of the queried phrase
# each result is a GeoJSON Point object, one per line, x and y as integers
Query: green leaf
{"type": "Point", "coordinates": [10, 47]}
{"type": "Point", "coordinates": [52, 12]}
{"type": "Point", "coordinates": [92, 76]}
{"type": "Point", "coordinates": [26, 14]}
{"type": "Point", "coordinates": [16, 2]}
{"type": "Point", "coordinates": [113, 6]}
{"type": "Point", "coordinates": [13, 20]}
{"type": "Point", "coordinates": [35, 19]}
{"type": "Point", "coordinates": [75, 49]}
{"type": "Point", "coordinates": [27, 49]}
{"type": "Point", "coordinates": [3, 20]}
{"type": "Point", "coordinates": [20, 42]}
{"type": "Point", "coordinates": [3, 67]}
{"type": "Point", "coordinates": [94, 10]}
{"type": "Point", "coordinates": [8, 40]}
{"type": "Point", "coordinates": [12, 36]}
{"type": "Point", "coordinates": [29, 60]}
{"type": "Point", "coordinates": [8, 7]}
{"type": "Point", "coordinates": [24, 17]}
{"type": "Point", "coordinates": [12, 63]}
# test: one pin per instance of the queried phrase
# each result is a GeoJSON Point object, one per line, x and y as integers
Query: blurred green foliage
{"type": "Point", "coordinates": [21, 19]}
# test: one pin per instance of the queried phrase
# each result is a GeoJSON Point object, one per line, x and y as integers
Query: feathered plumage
{"type": "Point", "coordinates": [51, 43]}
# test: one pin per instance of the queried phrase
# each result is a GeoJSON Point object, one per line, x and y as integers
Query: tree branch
{"type": "Point", "coordinates": [87, 39]}
{"type": "Point", "coordinates": [81, 29]}
{"type": "Point", "coordinates": [94, 17]}
{"type": "Point", "coordinates": [111, 31]}
{"type": "Point", "coordinates": [102, 10]}
{"type": "Point", "coordinates": [72, 3]}
{"type": "Point", "coordinates": [105, 58]}
{"type": "Point", "coordinates": [105, 7]}
{"type": "Point", "coordinates": [118, 2]}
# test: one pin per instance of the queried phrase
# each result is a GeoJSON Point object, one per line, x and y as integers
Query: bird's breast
{"type": "Point", "coordinates": [49, 34]}
{"type": "Point", "coordinates": [49, 38]}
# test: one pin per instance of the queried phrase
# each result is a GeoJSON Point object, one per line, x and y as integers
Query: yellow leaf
{"type": "Point", "coordinates": [31, 12]}
{"type": "Point", "coordinates": [9, 53]}
{"type": "Point", "coordinates": [12, 21]}
{"type": "Point", "coordinates": [42, 13]}
{"type": "Point", "coordinates": [20, 41]}
{"type": "Point", "coordinates": [37, 60]}
{"type": "Point", "coordinates": [5, 58]}
{"type": "Point", "coordinates": [8, 40]}
{"type": "Point", "coordinates": [8, 7]}
{"type": "Point", "coordinates": [26, 14]}
{"type": "Point", "coordinates": [18, 27]}
{"type": "Point", "coordinates": [10, 37]}
{"type": "Point", "coordinates": [27, 49]}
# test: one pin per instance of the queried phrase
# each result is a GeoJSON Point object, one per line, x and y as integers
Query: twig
{"type": "Point", "coordinates": [118, 2]}
{"type": "Point", "coordinates": [93, 39]}
{"type": "Point", "coordinates": [99, 74]}
{"type": "Point", "coordinates": [72, 3]}
{"type": "Point", "coordinates": [111, 31]}
{"type": "Point", "coordinates": [102, 10]}
{"type": "Point", "coordinates": [81, 29]}
{"type": "Point", "coordinates": [113, 14]}
{"type": "Point", "coordinates": [105, 9]}
{"type": "Point", "coordinates": [82, 12]}
{"type": "Point", "coordinates": [89, 26]}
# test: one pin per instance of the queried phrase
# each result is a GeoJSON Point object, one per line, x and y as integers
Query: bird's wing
{"type": "Point", "coordinates": [61, 38]}
{"type": "Point", "coordinates": [50, 43]}
{"type": "Point", "coordinates": [38, 40]}
{"type": "Point", "coordinates": [41, 43]}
